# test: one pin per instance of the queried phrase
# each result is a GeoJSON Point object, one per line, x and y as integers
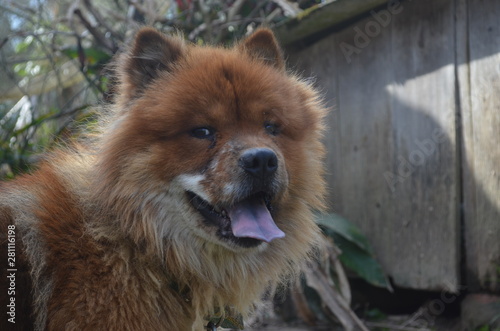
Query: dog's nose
{"type": "Point", "coordinates": [259, 162]}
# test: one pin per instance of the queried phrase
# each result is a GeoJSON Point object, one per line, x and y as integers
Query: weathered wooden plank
{"type": "Point", "coordinates": [393, 155]}
{"type": "Point", "coordinates": [480, 95]}
{"type": "Point", "coordinates": [321, 17]}
{"type": "Point", "coordinates": [312, 64]}
{"type": "Point", "coordinates": [425, 252]}
{"type": "Point", "coordinates": [365, 133]}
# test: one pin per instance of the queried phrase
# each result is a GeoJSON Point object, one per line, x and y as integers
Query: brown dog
{"type": "Point", "coordinates": [195, 198]}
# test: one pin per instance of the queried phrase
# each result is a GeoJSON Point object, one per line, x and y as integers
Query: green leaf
{"type": "Point", "coordinates": [341, 226]}
{"type": "Point", "coordinates": [314, 301]}
{"type": "Point", "coordinates": [93, 55]}
{"type": "Point", "coordinates": [361, 262]}
{"type": "Point", "coordinates": [24, 44]}
{"type": "Point", "coordinates": [375, 314]}
{"type": "Point", "coordinates": [357, 253]}
{"type": "Point", "coordinates": [20, 69]}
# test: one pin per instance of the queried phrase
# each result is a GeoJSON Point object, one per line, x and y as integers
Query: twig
{"type": "Point", "coordinates": [394, 327]}
{"type": "Point", "coordinates": [343, 283]}
{"type": "Point", "coordinates": [289, 7]}
{"type": "Point", "coordinates": [101, 21]}
{"type": "Point", "coordinates": [272, 15]}
{"type": "Point", "coordinates": [98, 36]}
{"type": "Point", "coordinates": [27, 9]}
{"type": "Point", "coordinates": [319, 281]}
{"type": "Point", "coordinates": [4, 42]}
{"type": "Point", "coordinates": [52, 61]}
{"type": "Point", "coordinates": [205, 11]}
{"type": "Point", "coordinates": [234, 9]}
{"type": "Point", "coordinates": [242, 21]}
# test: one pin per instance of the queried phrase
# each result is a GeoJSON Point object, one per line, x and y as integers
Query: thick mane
{"type": "Point", "coordinates": [109, 234]}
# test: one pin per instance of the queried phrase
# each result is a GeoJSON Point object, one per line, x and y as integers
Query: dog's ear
{"type": "Point", "coordinates": [262, 45]}
{"type": "Point", "coordinates": [151, 54]}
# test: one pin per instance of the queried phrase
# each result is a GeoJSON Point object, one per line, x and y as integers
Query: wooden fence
{"type": "Point", "coordinates": [414, 137]}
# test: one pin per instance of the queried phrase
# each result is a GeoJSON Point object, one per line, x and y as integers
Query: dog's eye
{"type": "Point", "coordinates": [203, 133]}
{"type": "Point", "coordinates": [271, 128]}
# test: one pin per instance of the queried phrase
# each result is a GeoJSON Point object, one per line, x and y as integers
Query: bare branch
{"type": "Point", "coordinates": [101, 21]}
{"type": "Point", "coordinates": [70, 75]}
{"type": "Point", "coordinates": [235, 9]}
{"type": "Point", "coordinates": [290, 8]}
{"type": "Point", "coordinates": [98, 36]}
{"type": "Point", "coordinates": [318, 277]}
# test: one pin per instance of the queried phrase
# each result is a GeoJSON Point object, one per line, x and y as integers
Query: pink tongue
{"type": "Point", "coordinates": [250, 218]}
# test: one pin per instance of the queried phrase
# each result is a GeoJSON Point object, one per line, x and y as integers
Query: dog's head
{"type": "Point", "coordinates": [222, 142]}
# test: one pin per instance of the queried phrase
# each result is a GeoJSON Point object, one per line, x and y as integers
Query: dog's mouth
{"type": "Point", "coordinates": [247, 222]}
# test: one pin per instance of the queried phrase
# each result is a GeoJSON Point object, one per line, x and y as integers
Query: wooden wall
{"type": "Point", "coordinates": [414, 136]}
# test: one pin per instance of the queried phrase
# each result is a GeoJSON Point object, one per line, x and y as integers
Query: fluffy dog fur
{"type": "Point", "coordinates": [107, 235]}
